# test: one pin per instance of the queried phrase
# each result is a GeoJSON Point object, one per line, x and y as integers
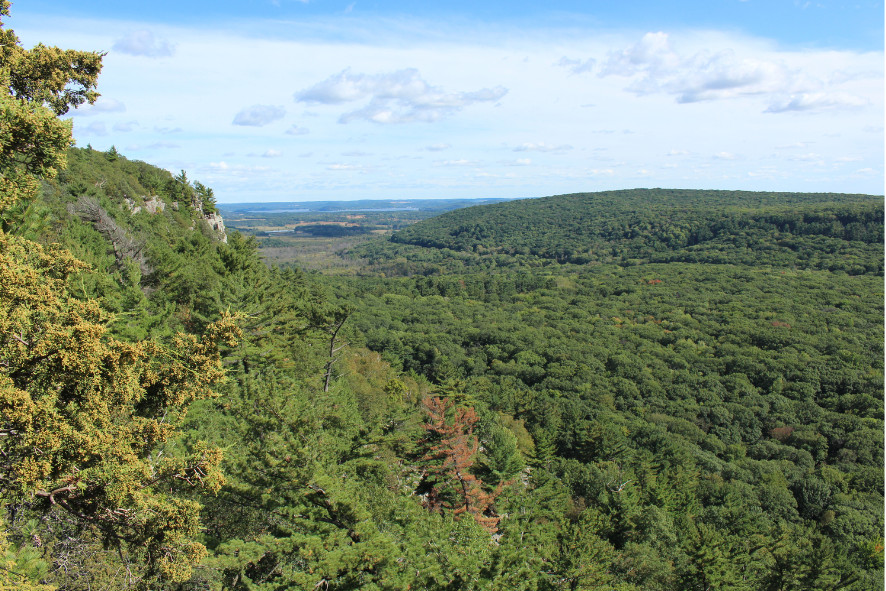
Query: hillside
{"type": "Point", "coordinates": [630, 390]}
{"type": "Point", "coordinates": [808, 230]}
{"type": "Point", "coordinates": [705, 411]}
{"type": "Point", "coordinates": [721, 384]}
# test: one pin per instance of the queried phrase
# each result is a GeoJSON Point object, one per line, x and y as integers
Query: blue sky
{"type": "Point", "coordinates": [287, 100]}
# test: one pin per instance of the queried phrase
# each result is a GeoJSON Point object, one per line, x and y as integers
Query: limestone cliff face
{"type": "Point", "coordinates": [217, 224]}
{"type": "Point", "coordinates": [154, 204]}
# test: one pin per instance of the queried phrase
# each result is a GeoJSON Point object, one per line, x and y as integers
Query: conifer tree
{"type": "Point", "coordinates": [451, 453]}
{"type": "Point", "coordinates": [83, 417]}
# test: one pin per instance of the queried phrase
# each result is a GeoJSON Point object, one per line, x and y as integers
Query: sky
{"type": "Point", "coordinates": [306, 100]}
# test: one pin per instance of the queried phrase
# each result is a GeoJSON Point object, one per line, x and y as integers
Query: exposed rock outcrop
{"type": "Point", "coordinates": [217, 224]}
{"type": "Point", "coordinates": [152, 204]}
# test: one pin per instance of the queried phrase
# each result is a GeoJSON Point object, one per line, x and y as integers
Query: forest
{"type": "Point", "coordinates": [649, 389]}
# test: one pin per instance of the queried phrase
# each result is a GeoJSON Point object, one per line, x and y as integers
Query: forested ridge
{"type": "Point", "coordinates": [647, 389]}
{"type": "Point", "coordinates": [650, 224]}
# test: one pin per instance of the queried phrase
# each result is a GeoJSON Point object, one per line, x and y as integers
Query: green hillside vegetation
{"type": "Point", "coordinates": [489, 401]}
{"type": "Point", "coordinates": [832, 231]}
{"type": "Point", "coordinates": [732, 347]}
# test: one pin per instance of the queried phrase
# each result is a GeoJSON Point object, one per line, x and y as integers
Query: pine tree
{"type": "Point", "coordinates": [451, 451]}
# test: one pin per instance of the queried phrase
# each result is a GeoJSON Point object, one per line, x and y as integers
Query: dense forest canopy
{"type": "Point", "coordinates": [646, 389]}
{"type": "Point", "coordinates": [617, 226]}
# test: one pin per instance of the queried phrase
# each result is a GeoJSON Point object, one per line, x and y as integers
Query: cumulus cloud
{"type": "Point", "coordinates": [296, 130]}
{"type": "Point", "coordinates": [259, 115]}
{"type": "Point", "coordinates": [398, 97]}
{"type": "Point", "coordinates": [143, 43]}
{"type": "Point", "coordinates": [652, 53]}
{"type": "Point", "coordinates": [542, 147]}
{"type": "Point", "coordinates": [658, 67]}
{"type": "Point", "coordinates": [655, 66]}
{"type": "Point", "coordinates": [271, 153]}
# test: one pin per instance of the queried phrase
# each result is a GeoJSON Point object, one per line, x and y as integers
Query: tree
{"type": "Point", "coordinates": [84, 417]}
{"type": "Point", "coordinates": [451, 452]}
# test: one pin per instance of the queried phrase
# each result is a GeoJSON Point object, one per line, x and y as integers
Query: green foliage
{"type": "Point", "coordinates": [649, 389]}
{"type": "Point", "coordinates": [662, 224]}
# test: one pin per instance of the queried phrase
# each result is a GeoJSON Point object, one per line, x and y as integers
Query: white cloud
{"type": "Point", "coordinates": [459, 162]}
{"type": "Point", "coordinates": [437, 147]}
{"type": "Point", "coordinates": [815, 101]}
{"type": "Point", "coordinates": [542, 147]}
{"type": "Point", "coordinates": [656, 67]}
{"type": "Point", "coordinates": [100, 107]}
{"type": "Point", "coordinates": [143, 43]}
{"type": "Point", "coordinates": [271, 153]}
{"type": "Point", "coordinates": [296, 130]}
{"type": "Point", "coordinates": [399, 97]}
{"type": "Point", "coordinates": [724, 156]}
{"type": "Point", "coordinates": [723, 75]}
{"type": "Point", "coordinates": [259, 115]}
{"type": "Point", "coordinates": [652, 53]}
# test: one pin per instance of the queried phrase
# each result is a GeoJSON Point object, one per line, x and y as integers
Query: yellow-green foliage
{"type": "Point", "coordinates": [82, 415]}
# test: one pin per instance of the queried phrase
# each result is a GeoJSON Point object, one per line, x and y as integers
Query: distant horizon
{"type": "Point", "coordinates": [379, 200]}
{"type": "Point", "coordinates": [222, 204]}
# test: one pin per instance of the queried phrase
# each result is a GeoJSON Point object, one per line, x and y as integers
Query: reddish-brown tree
{"type": "Point", "coordinates": [451, 449]}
